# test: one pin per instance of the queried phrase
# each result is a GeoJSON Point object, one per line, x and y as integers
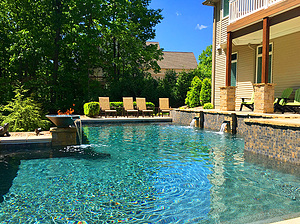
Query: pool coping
{"type": "Point", "coordinates": [88, 120]}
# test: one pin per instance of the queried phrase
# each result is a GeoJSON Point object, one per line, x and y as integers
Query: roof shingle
{"type": "Point", "coordinates": [178, 60]}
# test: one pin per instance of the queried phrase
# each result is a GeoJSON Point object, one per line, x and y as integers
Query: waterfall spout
{"type": "Point", "coordinates": [79, 130]}
{"type": "Point", "coordinates": [223, 126]}
{"type": "Point", "coordinates": [192, 124]}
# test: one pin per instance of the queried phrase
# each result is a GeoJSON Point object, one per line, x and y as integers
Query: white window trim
{"type": "Point", "coordinates": [256, 60]}
{"type": "Point", "coordinates": [235, 61]}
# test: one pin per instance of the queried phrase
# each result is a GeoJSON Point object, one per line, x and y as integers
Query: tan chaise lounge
{"type": "Point", "coordinates": [164, 106]}
{"type": "Point", "coordinates": [141, 106]}
{"type": "Point", "coordinates": [128, 106]}
{"type": "Point", "coordinates": [105, 107]}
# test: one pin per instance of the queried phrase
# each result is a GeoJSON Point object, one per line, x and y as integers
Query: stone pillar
{"type": "Point", "coordinates": [63, 136]}
{"type": "Point", "coordinates": [264, 98]}
{"type": "Point", "coordinates": [227, 98]}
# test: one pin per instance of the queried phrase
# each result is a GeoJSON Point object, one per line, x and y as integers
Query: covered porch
{"type": "Point", "coordinates": [262, 56]}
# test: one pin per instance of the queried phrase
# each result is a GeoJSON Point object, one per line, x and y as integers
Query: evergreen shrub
{"type": "Point", "coordinates": [23, 113]}
{"type": "Point", "coordinates": [193, 95]}
{"type": "Point", "coordinates": [91, 109]}
{"type": "Point", "coordinates": [205, 94]}
{"type": "Point", "coordinates": [208, 106]}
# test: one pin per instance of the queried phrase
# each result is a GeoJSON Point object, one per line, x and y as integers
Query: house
{"type": "Point", "coordinates": [177, 61]}
{"type": "Point", "coordinates": [256, 47]}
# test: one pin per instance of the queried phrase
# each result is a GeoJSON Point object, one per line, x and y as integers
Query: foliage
{"type": "Point", "coordinates": [205, 63]}
{"type": "Point", "coordinates": [150, 105]}
{"type": "Point", "coordinates": [166, 86]}
{"type": "Point", "coordinates": [116, 104]}
{"type": "Point", "coordinates": [182, 86]}
{"type": "Point", "coordinates": [91, 109]}
{"type": "Point", "coordinates": [193, 95]}
{"type": "Point", "coordinates": [53, 47]}
{"type": "Point", "coordinates": [205, 94]}
{"type": "Point", "coordinates": [208, 106]}
{"type": "Point", "coordinates": [23, 113]}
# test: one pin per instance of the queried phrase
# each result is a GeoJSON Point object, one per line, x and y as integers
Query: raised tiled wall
{"type": "Point", "coordinates": [278, 142]}
{"type": "Point", "coordinates": [281, 143]}
{"type": "Point", "coordinates": [183, 118]}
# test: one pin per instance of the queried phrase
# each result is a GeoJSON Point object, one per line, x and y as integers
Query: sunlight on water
{"type": "Point", "coordinates": [155, 174]}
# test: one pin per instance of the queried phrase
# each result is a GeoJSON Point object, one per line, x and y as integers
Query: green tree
{"type": "Point", "coordinates": [182, 86]}
{"type": "Point", "coordinates": [205, 94]}
{"type": "Point", "coordinates": [205, 63]}
{"type": "Point", "coordinates": [53, 46]}
{"type": "Point", "coordinates": [193, 95]}
{"type": "Point", "coordinates": [166, 86]}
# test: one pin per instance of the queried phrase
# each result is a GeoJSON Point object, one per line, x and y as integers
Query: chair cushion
{"type": "Point", "coordinates": [110, 111]}
{"type": "Point", "coordinates": [294, 104]}
{"type": "Point", "coordinates": [132, 110]}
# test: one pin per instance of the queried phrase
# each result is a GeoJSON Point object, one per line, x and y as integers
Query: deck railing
{"type": "Point", "coordinates": [242, 8]}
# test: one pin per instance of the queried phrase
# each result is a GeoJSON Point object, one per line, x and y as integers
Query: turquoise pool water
{"type": "Point", "coordinates": [155, 174]}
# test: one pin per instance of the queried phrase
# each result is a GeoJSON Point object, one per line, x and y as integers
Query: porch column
{"type": "Point", "coordinates": [264, 92]}
{"type": "Point", "coordinates": [227, 93]}
{"type": "Point", "coordinates": [228, 59]}
{"type": "Point", "coordinates": [264, 97]}
{"type": "Point", "coordinates": [265, 50]}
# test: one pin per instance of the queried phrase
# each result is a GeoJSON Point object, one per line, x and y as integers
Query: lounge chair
{"type": "Point", "coordinates": [280, 102]}
{"type": "Point", "coordinates": [141, 106]}
{"type": "Point", "coordinates": [128, 106]}
{"type": "Point", "coordinates": [105, 107]}
{"type": "Point", "coordinates": [248, 104]}
{"type": "Point", "coordinates": [4, 130]}
{"type": "Point", "coordinates": [293, 106]}
{"type": "Point", "coordinates": [164, 106]}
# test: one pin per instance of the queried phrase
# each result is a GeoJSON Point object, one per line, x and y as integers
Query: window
{"type": "Point", "coordinates": [259, 63]}
{"type": "Point", "coordinates": [233, 69]}
{"type": "Point", "coordinates": [225, 5]}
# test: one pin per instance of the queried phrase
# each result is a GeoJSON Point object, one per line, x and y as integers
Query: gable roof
{"type": "Point", "coordinates": [178, 60]}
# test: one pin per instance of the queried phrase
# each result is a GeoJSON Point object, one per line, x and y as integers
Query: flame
{"type": "Point", "coordinates": [68, 112]}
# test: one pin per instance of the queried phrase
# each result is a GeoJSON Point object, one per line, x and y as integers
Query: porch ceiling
{"type": "Point", "coordinates": [277, 30]}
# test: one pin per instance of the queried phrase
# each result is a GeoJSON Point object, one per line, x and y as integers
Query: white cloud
{"type": "Point", "coordinates": [200, 27]}
{"type": "Point", "coordinates": [178, 14]}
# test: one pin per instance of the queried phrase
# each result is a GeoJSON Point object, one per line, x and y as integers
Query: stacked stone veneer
{"type": "Point", "coordinates": [263, 98]}
{"type": "Point", "coordinates": [279, 142]}
{"type": "Point", "coordinates": [227, 98]}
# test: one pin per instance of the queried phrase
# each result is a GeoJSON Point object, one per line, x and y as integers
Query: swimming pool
{"type": "Point", "coordinates": [155, 174]}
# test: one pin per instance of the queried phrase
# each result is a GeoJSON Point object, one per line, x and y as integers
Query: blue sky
{"type": "Point", "coordinates": [187, 25]}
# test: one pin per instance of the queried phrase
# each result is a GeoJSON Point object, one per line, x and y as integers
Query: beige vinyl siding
{"type": "Point", "coordinates": [220, 57]}
{"type": "Point", "coordinates": [245, 73]}
{"type": "Point", "coordinates": [286, 64]}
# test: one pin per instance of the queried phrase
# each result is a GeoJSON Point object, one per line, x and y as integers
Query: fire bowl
{"type": "Point", "coordinates": [63, 121]}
